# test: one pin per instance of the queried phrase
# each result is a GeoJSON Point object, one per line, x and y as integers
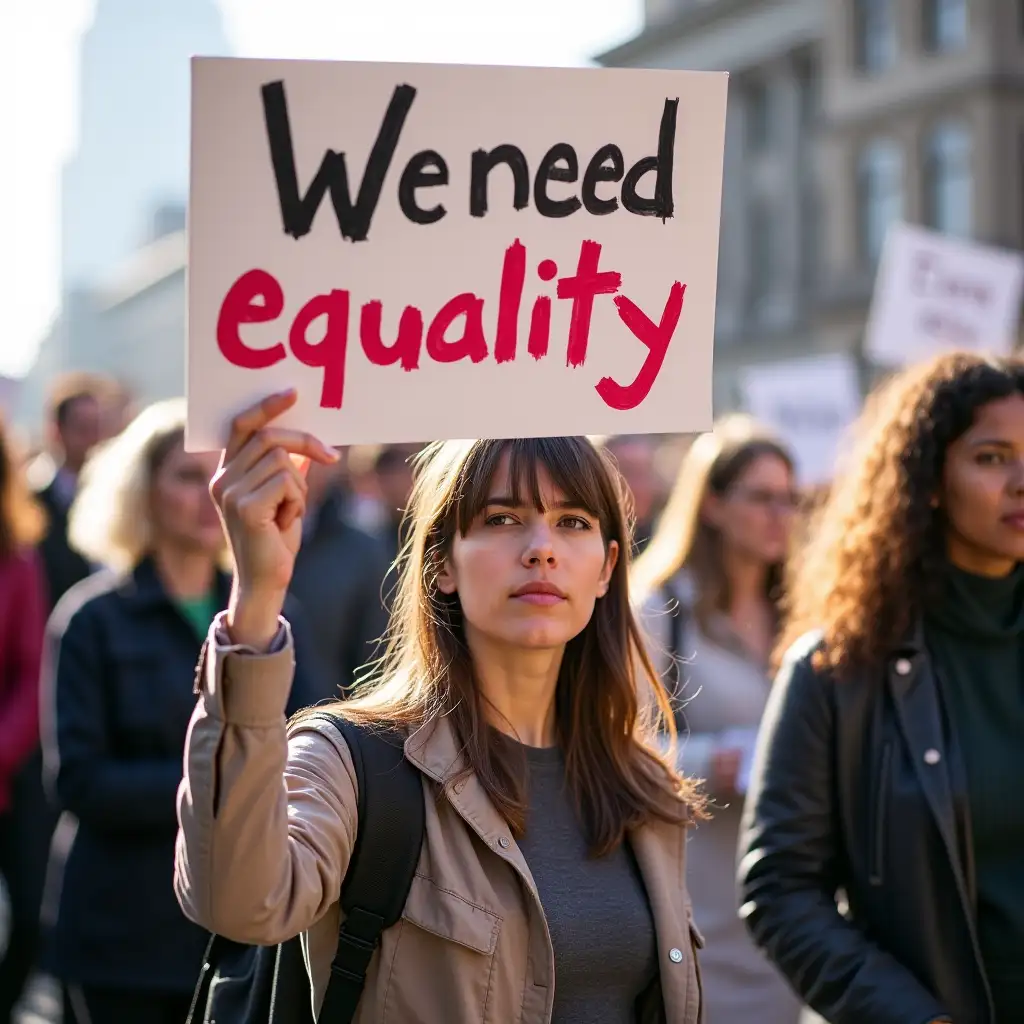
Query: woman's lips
{"type": "Point", "coordinates": [535, 597]}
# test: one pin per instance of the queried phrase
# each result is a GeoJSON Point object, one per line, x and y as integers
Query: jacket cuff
{"type": "Point", "coordinates": [243, 686]}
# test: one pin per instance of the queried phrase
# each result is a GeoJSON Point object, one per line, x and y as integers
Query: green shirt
{"type": "Point", "coordinates": [199, 611]}
{"type": "Point", "coordinates": [976, 637]}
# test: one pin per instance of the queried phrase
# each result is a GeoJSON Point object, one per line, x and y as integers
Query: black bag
{"type": "Point", "coordinates": [269, 984]}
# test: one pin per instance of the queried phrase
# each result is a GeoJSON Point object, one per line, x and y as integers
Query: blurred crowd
{"type": "Point", "coordinates": [112, 566]}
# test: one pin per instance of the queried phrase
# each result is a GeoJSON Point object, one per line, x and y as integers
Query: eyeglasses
{"type": "Point", "coordinates": [782, 501]}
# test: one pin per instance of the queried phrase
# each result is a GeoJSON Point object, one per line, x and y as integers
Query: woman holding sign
{"type": "Point", "coordinates": [708, 586]}
{"type": "Point", "coordinates": [891, 755]}
{"type": "Point", "coordinates": [550, 882]}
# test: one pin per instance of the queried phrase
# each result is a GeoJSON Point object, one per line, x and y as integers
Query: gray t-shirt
{"type": "Point", "coordinates": [597, 909]}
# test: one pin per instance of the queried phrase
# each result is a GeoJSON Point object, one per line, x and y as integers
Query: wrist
{"type": "Point", "coordinates": [253, 619]}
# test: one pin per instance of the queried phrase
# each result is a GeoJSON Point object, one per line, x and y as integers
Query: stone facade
{"type": "Point", "coordinates": [843, 115]}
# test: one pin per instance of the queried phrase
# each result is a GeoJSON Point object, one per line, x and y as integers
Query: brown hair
{"type": "Point", "coordinates": [875, 549]}
{"type": "Point", "coordinates": [616, 774]}
{"type": "Point", "coordinates": [22, 520]}
{"type": "Point", "coordinates": [714, 463]}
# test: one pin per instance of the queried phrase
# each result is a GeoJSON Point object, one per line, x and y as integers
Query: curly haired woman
{"type": "Point", "coordinates": [890, 757]}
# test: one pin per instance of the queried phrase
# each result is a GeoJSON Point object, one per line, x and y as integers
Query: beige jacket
{"type": "Point", "coordinates": [268, 823]}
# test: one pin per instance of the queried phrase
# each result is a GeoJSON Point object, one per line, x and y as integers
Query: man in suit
{"type": "Point", "coordinates": [339, 580]}
{"type": "Point", "coordinates": [75, 424]}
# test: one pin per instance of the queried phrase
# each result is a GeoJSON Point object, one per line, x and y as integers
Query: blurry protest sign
{"type": "Point", "coordinates": [432, 251]}
{"type": "Point", "coordinates": [934, 293]}
{"type": "Point", "coordinates": [810, 403]}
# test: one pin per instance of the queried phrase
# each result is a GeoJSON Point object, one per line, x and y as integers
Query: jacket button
{"type": "Point", "coordinates": [503, 842]}
{"type": "Point", "coordinates": [932, 756]}
{"type": "Point", "coordinates": [902, 666]}
{"type": "Point", "coordinates": [675, 955]}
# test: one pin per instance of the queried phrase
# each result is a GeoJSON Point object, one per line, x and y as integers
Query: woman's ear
{"type": "Point", "coordinates": [611, 559]}
{"type": "Point", "coordinates": [445, 579]}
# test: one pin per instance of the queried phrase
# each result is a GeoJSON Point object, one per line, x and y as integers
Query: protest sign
{"type": "Point", "coordinates": [935, 293]}
{"type": "Point", "coordinates": [810, 403]}
{"type": "Point", "coordinates": [432, 251]}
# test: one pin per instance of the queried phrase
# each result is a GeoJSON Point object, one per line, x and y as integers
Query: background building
{"type": "Point", "coordinates": [844, 116]}
{"type": "Point", "coordinates": [132, 151]}
{"type": "Point", "coordinates": [123, 197]}
{"type": "Point", "coordinates": [923, 120]}
{"type": "Point", "coordinates": [767, 256]}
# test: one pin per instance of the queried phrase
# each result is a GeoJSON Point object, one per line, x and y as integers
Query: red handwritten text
{"type": "Point", "coordinates": [455, 332]}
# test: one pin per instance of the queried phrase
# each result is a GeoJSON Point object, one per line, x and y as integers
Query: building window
{"type": "Point", "coordinates": [948, 180]}
{"type": "Point", "coordinates": [759, 117]}
{"type": "Point", "coordinates": [809, 85]}
{"type": "Point", "coordinates": [764, 263]}
{"type": "Point", "coordinates": [945, 25]}
{"type": "Point", "coordinates": [879, 196]}
{"type": "Point", "coordinates": [875, 34]}
{"type": "Point", "coordinates": [810, 230]}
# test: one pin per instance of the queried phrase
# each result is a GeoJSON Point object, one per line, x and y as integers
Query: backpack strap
{"type": "Point", "coordinates": [384, 858]}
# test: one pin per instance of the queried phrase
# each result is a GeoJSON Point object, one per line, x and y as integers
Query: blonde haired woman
{"type": "Point", "coordinates": [708, 585]}
{"type": "Point", "coordinates": [550, 885]}
{"type": "Point", "coordinates": [116, 706]}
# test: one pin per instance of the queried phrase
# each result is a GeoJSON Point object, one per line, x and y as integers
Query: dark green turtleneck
{"type": "Point", "coordinates": [976, 637]}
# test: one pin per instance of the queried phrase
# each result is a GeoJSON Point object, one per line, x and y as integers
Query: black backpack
{"type": "Point", "coordinates": [242, 984]}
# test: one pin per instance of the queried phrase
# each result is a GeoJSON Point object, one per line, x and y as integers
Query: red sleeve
{"type": "Point", "coordinates": [19, 710]}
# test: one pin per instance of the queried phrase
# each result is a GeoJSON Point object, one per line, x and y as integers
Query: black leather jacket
{"type": "Point", "coordinates": [858, 790]}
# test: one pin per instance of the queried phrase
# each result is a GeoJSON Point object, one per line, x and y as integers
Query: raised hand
{"type": "Point", "coordinates": [260, 491]}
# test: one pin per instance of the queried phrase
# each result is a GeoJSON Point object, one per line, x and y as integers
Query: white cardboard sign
{"type": "Point", "coordinates": [434, 251]}
{"type": "Point", "coordinates": [935, 293]}
{"type": "Point", "coordinates": [810, 403]}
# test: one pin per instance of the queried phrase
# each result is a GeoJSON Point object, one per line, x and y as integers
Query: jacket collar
{"type": "Point", "coordinates": [659, 848]}
{"type": "Point", "coordinates": [433, 748]}
{"type": "Point", "coordinates": [145, 590]}
{"type": "Point", "coordinates": [915, 689]}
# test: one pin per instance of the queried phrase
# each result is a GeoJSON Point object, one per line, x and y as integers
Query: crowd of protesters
{"type": "Point", "coordinates": [846, 683]}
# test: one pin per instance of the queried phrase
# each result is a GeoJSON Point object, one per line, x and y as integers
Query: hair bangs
{"type": "Point", "coordinates": [572, 464]}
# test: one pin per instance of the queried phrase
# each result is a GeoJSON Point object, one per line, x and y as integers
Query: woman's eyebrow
{"type": "Point", "coordinates": [992, 442]}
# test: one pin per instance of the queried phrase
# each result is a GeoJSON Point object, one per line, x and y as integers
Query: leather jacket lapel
{"type": "Point", "coordinates": [916, 700]}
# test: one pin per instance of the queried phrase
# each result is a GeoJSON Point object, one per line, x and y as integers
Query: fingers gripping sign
{"type": "Point", "coordinates": [260, 490]}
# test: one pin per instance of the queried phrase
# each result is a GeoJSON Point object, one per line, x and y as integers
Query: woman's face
{"type": "Point", "coordinates": [183, 513]}
{"type": "Point", "coordinates": [512, 553]}
{"type": "Point", "coordinates": [983, 490]}
{"type": "Point", "coordinates": [755, 514]}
